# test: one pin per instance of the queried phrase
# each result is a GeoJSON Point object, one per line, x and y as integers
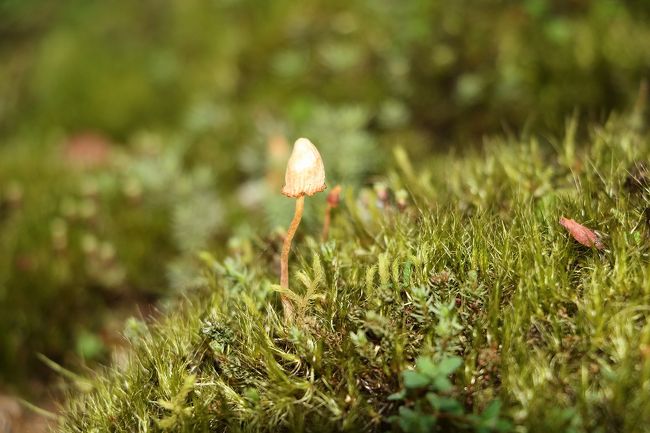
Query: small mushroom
{"type": "Point", "coordinates": [305, 175]}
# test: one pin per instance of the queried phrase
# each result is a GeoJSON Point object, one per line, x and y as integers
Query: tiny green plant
{"type": "Point", "coordinates": [176, 407]}
{"type": "Point", "coordinates": [428, 402]}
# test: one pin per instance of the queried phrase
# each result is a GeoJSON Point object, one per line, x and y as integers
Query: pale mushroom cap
{"type": "Point", "coordinates": [305, 173]}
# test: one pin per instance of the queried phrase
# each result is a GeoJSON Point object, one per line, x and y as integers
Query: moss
{"type": "Point", "coordinates": [78, 246]}
{"type": "Point", "coordinates": [476, 266]}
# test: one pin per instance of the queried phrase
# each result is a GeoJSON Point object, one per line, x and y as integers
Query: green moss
{"type": "Point", "coordinates": [477, 266]}
{"type": "Point", "coordinates": [80, 248]}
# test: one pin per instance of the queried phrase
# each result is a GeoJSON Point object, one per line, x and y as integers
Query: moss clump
{"type": "Point", "coordinates": [476, 266]}
{"type": "Point", "coordinates": [84, 244]}
{"type": "Point", "coordinates": [81, 247]}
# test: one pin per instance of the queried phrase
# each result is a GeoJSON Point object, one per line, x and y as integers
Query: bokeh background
{"type": "Point", "coordinates": [135, 134]}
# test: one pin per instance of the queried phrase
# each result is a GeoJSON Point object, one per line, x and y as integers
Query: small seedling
{"type": "Point", "coordinates": [383, 196]}
{"type": "Point", "coordinates": [430, 403]}
{"type": "Point", "coordinates": [401, 197]}
{"type": "Point", "coordinates": [305, 175]}
{"type": "Point", "coordinates": [333, 200]}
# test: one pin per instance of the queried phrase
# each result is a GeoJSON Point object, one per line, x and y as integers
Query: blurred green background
{"type": "Point", "coordinates": [444, 68]}
{"type": "Point", "coordinates": [134, 134]}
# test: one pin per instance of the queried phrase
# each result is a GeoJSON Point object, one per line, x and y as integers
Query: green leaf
{"type": "Point", "coordinates": [492, 411]}
{"type": "Point", "coordinates": [408, 268]}
{"type": "Point", "coordinates": [489, 420]}
{"type": "Point", "coordinates": [444, 404]}
{"type": "Point", "coordinates": [442, 384]}
{"type": "Point", "coordinates": [89, 345]}
{"type": "Point", "coordinates": [503, 426]}
{"type": "Point", "coordinates": [166, 404]}
{"type": "Point", "coordinates": [397, 396]}
{"type": "Point", "coordinates": [426, 366]}
{"type": "Point", "coordinates": [413, 379]}
{"type": "Point", "coordinates": [287, 292]}
{"type": "Point", "coordinates": [167, 423]}
{"type": "Point", "coordinates": [411, 421]}
{"type": "Point", "coordinates": [449, 365]}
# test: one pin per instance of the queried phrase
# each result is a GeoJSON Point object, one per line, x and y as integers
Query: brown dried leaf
{"type": "Point", "coordinates": [582, 234]}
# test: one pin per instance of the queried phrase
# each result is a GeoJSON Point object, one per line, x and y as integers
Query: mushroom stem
{"type": "Point", "coordinates": [284, 260]}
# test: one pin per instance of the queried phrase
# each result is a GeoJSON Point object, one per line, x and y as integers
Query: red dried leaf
{"type": "Point", "coordinates": [582, 234]}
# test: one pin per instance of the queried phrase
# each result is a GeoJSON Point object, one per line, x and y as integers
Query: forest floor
{"type": "Point", "coordinates": [508, 286]}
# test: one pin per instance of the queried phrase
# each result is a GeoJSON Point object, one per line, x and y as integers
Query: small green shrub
{"type": "Point", "coordinates": [430, 407]}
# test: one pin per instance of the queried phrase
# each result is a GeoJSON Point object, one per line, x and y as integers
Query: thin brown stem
{"type": "Point", "coordinates": [326, 223]}
{"type": "Point", "coordinates": [284, 259]}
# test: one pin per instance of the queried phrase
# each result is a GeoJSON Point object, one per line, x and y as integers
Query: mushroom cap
{"type": "Point", "coordinates": [305, 173]}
